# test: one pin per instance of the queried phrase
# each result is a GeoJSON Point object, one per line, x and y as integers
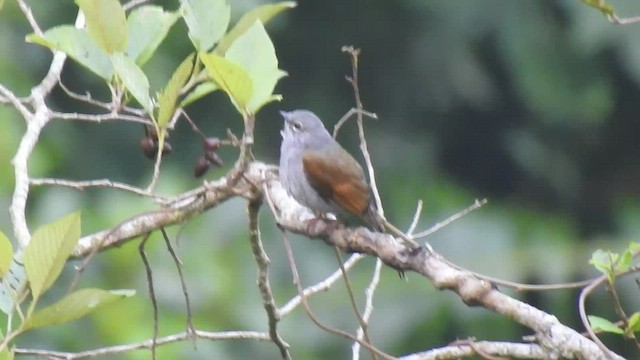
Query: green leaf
{"type": "Point", "coordinates": [624, 263]}
{"type": "Point", "coordinates": [602, 324]}
{"type": "Point", "coordinates": [169, 96]}
{"type": "Point", "coordinates": [603, 261]}
{"type": "Point", "coordinates": [207, 21]}
{"type": "Point", "coordinates": [633, 325]}
{"type": "Point", "coordinates": [200, 91]}
{"type": "Point", "coordinates": [106, 23]}
{"type": "Point", "coordinates": [6, 254]}
{"type": "Point", "coordinates": [133, 79]}
{"type": "Point", "coordinates": [6, 354]}
{"type": "Point", "coordinates": [78, 45]}
{"type": "Point", "coordinates": [255, 53]}
{"type": "Point", "coordinates": [48, 251]}
{"type": "Point", "coordinates": [148, 26]}
{"type": "Point", "coordinates": [74, 306]}
{"type": "Point", "coordinates": [231, 78]}
{"type": "Point", "coordinates": [263, 13]}
{"type": "Point", "coordinates": [600, 5]}
{"type": "Point", "coordinates": [634, 247]}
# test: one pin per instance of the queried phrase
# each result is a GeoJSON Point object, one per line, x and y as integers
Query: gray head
{"type": "Point", "coordinates": [305, 128]}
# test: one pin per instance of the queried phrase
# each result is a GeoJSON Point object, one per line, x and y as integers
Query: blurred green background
{"type": "Point", "coordinates": [531, 104]}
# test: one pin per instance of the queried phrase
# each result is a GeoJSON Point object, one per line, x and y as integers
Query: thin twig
{"type": "Point", "coordinates": [223, 335]}
{"type": "Point", "coordinates": [368, 308]}
{"type": "Point", "coordinates": [476, 205]}
{"type": "Point", "coordinates": [82, 185]}
{"type": "Point", "coordinates": [623, 21]}
{"type": "Point", "coordinates": [261, 258]}
{"type": "Point", "coordinates": [194, 127]}
{"type": "Point", "coordinates": [353, 80]}
{"type": "Point", "coordinates": [84, 98]}
{"type": "Point", "coordinates": [323, 285]}
{"type": "Point", "coordinates": [583, 314]}
{"type": "Point", "coordinates": [348, 115]}
{"type": "Point", "coordinates": [309, 312]}
{"type": "Point", "coordinates": [10, 97]}
{"type": "Point", "coordinates": [98, 118]}
{"type": "Point", "coordinates": [190, 328]}
{"type": "Point", "coordinates": [416, 219]}
{"type": "Point", "coordinates": [152, 295]}
{"type": "Point", "coordinates": [26, 10]}
{"type": "Point", "coordinates": [363, 329]}
{"type": "Point", "coordinates": [617, 306]}
{"type": "Point", "coordinates": [158, 160]}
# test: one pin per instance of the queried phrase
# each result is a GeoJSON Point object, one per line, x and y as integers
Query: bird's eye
{"type": "Point", "coordinates": [296, 126]}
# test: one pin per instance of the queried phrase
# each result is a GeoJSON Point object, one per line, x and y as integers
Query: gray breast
{"type": "Point", "coordinates": [295, 183]}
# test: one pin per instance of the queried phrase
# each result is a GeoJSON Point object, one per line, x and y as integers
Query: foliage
{"type": "Point", "coordinates": [44, 259]}
{"type": "Point", "coordinates": [472, 110]}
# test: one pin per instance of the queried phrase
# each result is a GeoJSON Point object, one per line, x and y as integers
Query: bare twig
{"type": "Point", "coordinates": [348, 115]}
{"type": "Point", "coordinates": [368, 308]}
{"type": "Point", "coordinates": [323, 285]}
{"type": "Point", "coordinates": [98, 118]}
{"type": "Point", "coordinates": [307, 308]}
{"type": "Point", "coordinates": [9, 97]}
{"type": "Point", "coordinates": [363, 331]}
{"type": "Point", "coordinates": [617, 306]}
{"type": "Point", "coordinates": [85, 98]}
{"type": "Point", "coordinates": [263, 262]}
{"type": "Point", "coordinates": [416, 219]}
{"type": "Point", "coordinates": [623, 21]}
{"type": "Point", "coordinates": [82, 185]}
{"type": "Point", "coordinates": [147, 344]}
{"type": "Point", "coordinates": [26, 10]}
{"type": "Point", "coordinates": [152, 295]}
{"type": "Point", "coordinates": [476, 205]}
{"type": "Point", "coordinates": [157, 162]}
{"type": "Point", "coordinates": [583, 314]}
{"type": "Point", "coordinates": [190, 328]}
{"type": "Point", "coordinates": [353, 80]}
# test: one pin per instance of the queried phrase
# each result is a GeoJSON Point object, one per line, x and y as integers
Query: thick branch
{"type": "Point", "coordinates": [557, 339]}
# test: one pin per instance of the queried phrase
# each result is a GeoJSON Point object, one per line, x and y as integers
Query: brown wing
{"type": "Point", "coordinates": [341, 181]}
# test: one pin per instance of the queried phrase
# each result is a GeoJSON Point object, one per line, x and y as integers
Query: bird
{"type": "Point", "coordinates": [320, 174]}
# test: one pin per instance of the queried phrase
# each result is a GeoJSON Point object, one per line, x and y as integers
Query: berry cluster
{"type": "Point", "coordinates": [149, 144]}
{"type": "Point", "coordinates": [209, 157]}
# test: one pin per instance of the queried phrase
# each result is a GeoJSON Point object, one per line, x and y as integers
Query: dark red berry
{"type": "Point", "coordinates": [211, 144]}
{"type": "Point", "coordinates": [152, 133]}
{"type": "Point", "coordinates": [213, 158]}
{"type": "Point", "coordinates": [167, 148]}
{"type": "Point", "coordinates": [149, 147]}
{"type": "Point", "coordinates": [202, 165]}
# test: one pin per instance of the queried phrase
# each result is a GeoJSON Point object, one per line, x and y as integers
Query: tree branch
{"type": "Point", "coordinates": [263, 262]}
{"type": "Point", "coordinates": [144, 345]}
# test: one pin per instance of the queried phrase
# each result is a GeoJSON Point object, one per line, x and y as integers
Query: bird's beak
{"type": "Point", "coordinates": [285, 114]}
{"type": "Point", "coordinates": [285, 128]}
{"type": "Point", "coordinates": [287, 120]}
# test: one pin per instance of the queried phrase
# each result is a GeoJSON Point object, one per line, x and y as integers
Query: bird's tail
{"type": "Point", "coordinates": [372, 218]}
